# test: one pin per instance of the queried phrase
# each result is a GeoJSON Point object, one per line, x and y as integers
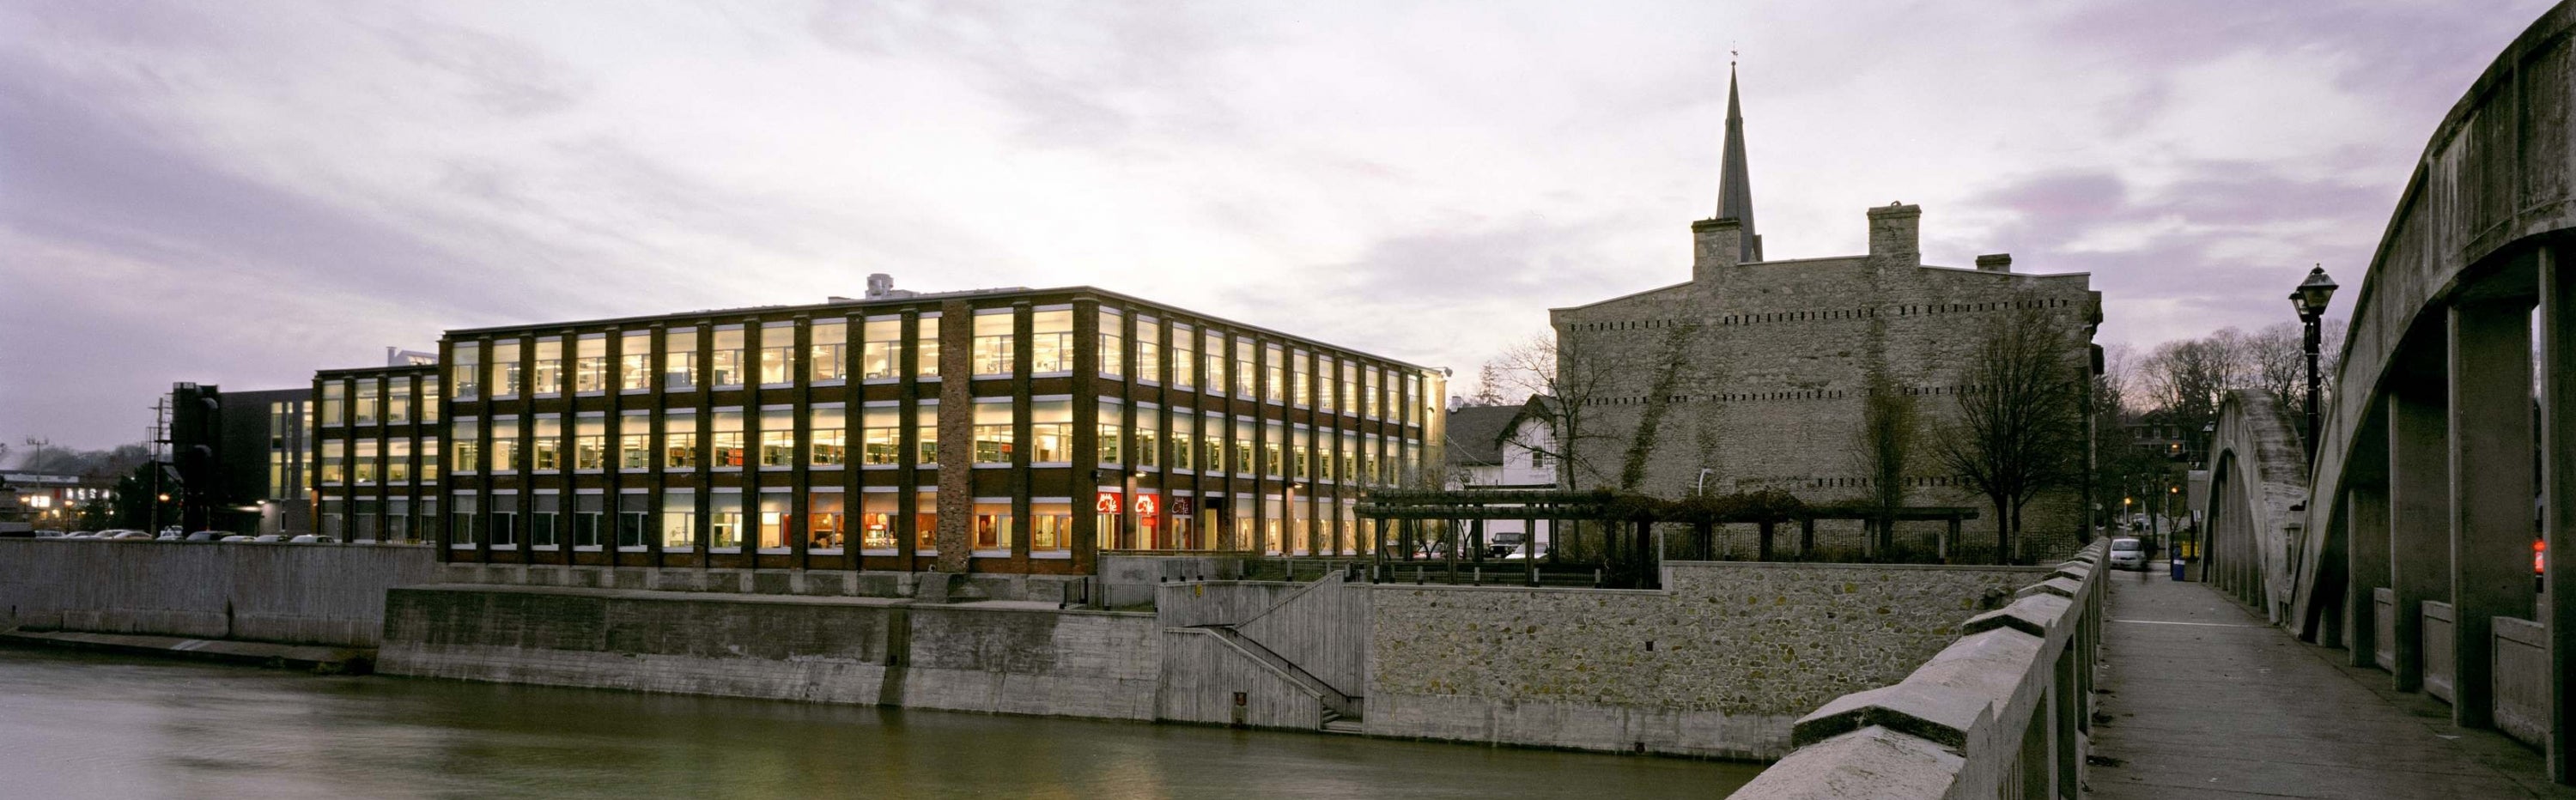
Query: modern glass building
{"type": "Point", "coordinates": [375, 437]}
{"type": "Point", "coordinates": [1009, 430]}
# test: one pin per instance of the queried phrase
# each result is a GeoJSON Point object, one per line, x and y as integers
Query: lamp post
{"type": "Point", "coordinates": [2310, 300]}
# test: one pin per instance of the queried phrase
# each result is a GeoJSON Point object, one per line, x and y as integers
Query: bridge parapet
{"type": "Point", "coordinates": [2003, 711]}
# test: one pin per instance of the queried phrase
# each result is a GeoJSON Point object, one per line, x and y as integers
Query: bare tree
{"type": "Point", "coordinates": [1489, 386]}
{"type": "Point", "coordinates": [1560, 385]}
{"type": "Point", "coordinates": [2276, 361]}
{"type": "Point", "coordinates": [1883, 450]}
{"type": "Point", "coordinates": [2019, 428]}
{"type": "Point", "coordinates": [2184, 380]}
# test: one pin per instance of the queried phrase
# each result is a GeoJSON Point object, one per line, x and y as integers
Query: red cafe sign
{"type": "Point", "coordinates": [1146, 504]}
{"type": "Point", "coordinates": [1106, 503]}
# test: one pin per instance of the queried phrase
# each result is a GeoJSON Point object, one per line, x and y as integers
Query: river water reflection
{"type": "Point", "coordinates": [78, 726]}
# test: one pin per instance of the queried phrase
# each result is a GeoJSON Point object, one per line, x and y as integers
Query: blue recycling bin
{"type": "Point", "coordinates": [2177, 568]}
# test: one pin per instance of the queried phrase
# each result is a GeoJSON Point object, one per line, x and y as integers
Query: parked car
{"type": "Point", "coordinates": [235, 538]}
{"type": "Point", "coordinates": [268, 537]}
{"type": "Point", "coordinates": [205, 536]}
{"type": "Point", "coordinates": [49, 534]}
{"type": "Point", "coordinates": [2128, 553]}
{"type": "Point", "coordinates": [312, 539]}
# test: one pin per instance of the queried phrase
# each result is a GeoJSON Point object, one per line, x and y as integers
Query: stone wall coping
{"type": "Point", "coordinates": [1948, 704]}
{"type": "Point", "coordinates": [1864, 566]}
{"type": "Point", "coordinates": [1870, 762]}
{"type": "Point", "coordinates": [996, 606]}
{"type": "Point", "coordinates": [57, 540]}
{"type": "Point", "coordinates": [2033, 615]}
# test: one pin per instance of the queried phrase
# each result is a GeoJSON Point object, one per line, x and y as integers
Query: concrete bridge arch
{"type": "Point", "coordinates": [2454, 417]}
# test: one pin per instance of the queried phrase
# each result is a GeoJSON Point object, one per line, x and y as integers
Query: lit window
{"type": "Point", "coordinates": [823, 520]}
{"type": "Point", "coordinates": [634, 443]}
{"type": "Point", "coordinates": [679, 518]}
{"type": "Point", "coordinates": [548, 444]}
{"type": "Point", "coordinates": [590, 444]}
{"type": "Point", "coordinates": [1184, 442]}
{"type": "Point", "coordinates": [1051, 431]}
{"type": "Point", "coordinates": [827, 432]}
{"type": "Point", "coordinates": [398, 401]}
{"type": "Point", "coordinates": [775, 508]}
{"type": "Point", "coordinates": [1185, 358]}
{"type": "Point", "coordinates": [824, 355]}
{"type": "Point", "coordinates": [1113, 344]}
{"type": "Point", "coordinates": [925, 431]}
{"type": "Point", "coordinates": [1050, 526]}
{"type": "Point", "coordinates": [635, 361]}
{"type": "Point", "coordinates": [505, 445]}
{"type": "Point", "coordinates": [1273, 463]}
{"type": "Point", "coordinates": [728, 444]}
{"type": "Point", "coordinates": [1213, 347]}
{"type": "Point", "coordinates": [365, 407]}
{"type": "Point", "coordinates": [1112, 438]}
{"type": "Point", "coordinates": [993, 440]}
{"type": "Point", "coordinates": [429, 399]}
{"type": "Point", "coordinates": [879, 438]}
{"type": "Point", "coordinates": [680, 359]}
{"type": "Point", "coordinates": [778, 354]}
{"type": "Point", "coordinates": [724, 521]}
{"type": "Point", "coordinates": [332, 459]}
{"type": "Point", "coordinates": [1301, 381]}
{"type": "Point", "coordinates": [1051, 342]}
{"type": "Point", "coordinates": [334, 403]}
{"type": "Point", "coordinates": [398, 461]}
{"type": "Point", "coordinates": [728, 357]}
{"type": "Point", "coordinates": [467, 441]}
{"type": "Point", "coordinates": [465, 375]}
{"type": "Point", "coordinates": [925, 332]}
{"type": "Point", "coordinates": [1244, 374]}
{"type": "Point", "coordinates": [880, 341]}
{"type": "Point", "coordinates": [549, 366]}
{"type": "Point", "coordinates": [1274, 386]}
{"type": "Point", "coordinates": [1324, 390]}
{"type": "Point", "coordinates": [777, 438]}
{"type": "Point", "coordinates": [993, 529]}
{"type": "Point", "coordinates": [1244, 446]}
{"type": "Point", "coordinates": [505, 369]}
{"type": "Point", "coordinates": [680, 440]}
{"type": "Point", "coordinates": [876, 521]}
{"type": "Point", "coordinates": [429, 462]}
{"type": "Point", "coordinates": [1149, 350]}
{"type": "Point", "coordinates": [590, 364]}
{"type": "Point", "coordinates": [992, 347]}
{"type": "Point", "coordinates": [1148, 440]}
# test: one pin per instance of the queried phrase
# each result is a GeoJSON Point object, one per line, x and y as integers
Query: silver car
{"type": "Point", "coordinates": [2128, 553]}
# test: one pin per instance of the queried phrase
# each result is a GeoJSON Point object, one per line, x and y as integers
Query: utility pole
{"type": "Point", "coordinates": [160, 437]}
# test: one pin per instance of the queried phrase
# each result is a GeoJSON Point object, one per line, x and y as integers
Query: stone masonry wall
{"type": "Point", "coordinates": [1777, 357]}
{"type": "Point", "coordinates": [1718, 664]}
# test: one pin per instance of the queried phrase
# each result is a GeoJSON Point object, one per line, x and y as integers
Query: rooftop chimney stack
{"type": "Point", "coordinates": [1717, 245]}
{"type": "Point", "coordinates": [1896, 235]}
{"type": "Point", "coordinates": [1997, 262]}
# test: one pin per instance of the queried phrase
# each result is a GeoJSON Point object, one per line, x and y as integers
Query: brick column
{"type": "Point", "coordinates": [956, 434]}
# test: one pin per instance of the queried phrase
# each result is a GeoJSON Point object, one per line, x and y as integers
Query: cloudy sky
{"type": "Point", "coordinates": [240, 193]}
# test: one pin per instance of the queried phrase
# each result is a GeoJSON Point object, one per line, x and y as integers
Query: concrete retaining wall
{"type": "Point", "coordinates": [1322, 628]}
{"type": "Point", "coordinates": [1005, 657]}
{"type": "Point", "coordinates": [1720, 663]}
{"type": "Point", "coordinates": [1132, 580]}
{"type": "Point", "coordinates": [1182, 605]}
{"type": "Point", "coordinates": [1203, 674]}
{"type": "Point", "coordinates": [2522, 680]}
{"type": "Point", "coordinates": [298, 594]}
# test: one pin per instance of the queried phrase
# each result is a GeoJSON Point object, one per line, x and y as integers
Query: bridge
{"type": "Point", "coordinates": [2373, 617]}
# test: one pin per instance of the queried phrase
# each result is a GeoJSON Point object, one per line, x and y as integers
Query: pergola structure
{"type": "Point", "coordinates": [1630, 551]}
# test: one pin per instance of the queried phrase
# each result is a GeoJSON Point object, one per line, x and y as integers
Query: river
{"type": "Point", "coordinates": [81, 726]}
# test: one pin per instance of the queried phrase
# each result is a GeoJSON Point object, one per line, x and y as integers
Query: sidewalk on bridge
{"type": "Point", "coordinates": [2202, 699]}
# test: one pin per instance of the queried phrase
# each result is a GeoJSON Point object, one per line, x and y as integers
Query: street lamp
{"type": "Point", "coordinates": [2310, 300]}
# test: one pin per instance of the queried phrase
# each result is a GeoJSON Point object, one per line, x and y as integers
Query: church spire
{"type": "Point", "coordinates": [1734, 186]}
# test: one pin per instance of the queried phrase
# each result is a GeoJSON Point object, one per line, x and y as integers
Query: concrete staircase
{"type": "Point", "coordinates": [1341, 712]}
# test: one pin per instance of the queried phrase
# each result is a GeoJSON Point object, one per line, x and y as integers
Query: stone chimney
{"type": "Point", "coordinates": [1996, 262]}
{"type": "Point", "coordinates": [1716, 246]}
{"type": "Point", "coordinates": [1896, 234]}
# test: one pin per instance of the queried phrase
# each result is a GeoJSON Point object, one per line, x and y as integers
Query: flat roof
{"type": "Point", "coordinates": [864, 303]}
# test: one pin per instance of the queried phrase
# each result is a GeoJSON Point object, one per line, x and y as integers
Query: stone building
{"type": "Point", "coordinates": [1753, 374]}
